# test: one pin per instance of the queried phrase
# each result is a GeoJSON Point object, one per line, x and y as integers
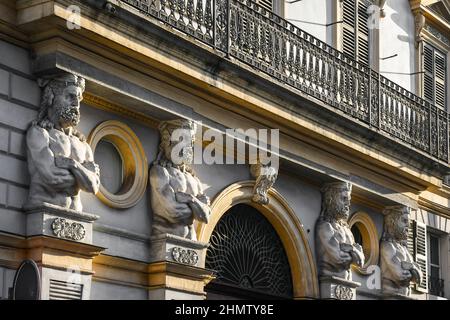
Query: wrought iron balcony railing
{"type": "Point", "coordinates": [436, 286]}
{"type": "Point", "coordinates": [246, 31]}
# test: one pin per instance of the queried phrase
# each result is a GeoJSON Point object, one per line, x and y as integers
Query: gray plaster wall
{"type": "Point", "coordinates": [110, 291]}
{"type": "Point", "coordinates": [6, 281]}
{"type": "Point", "coordinates": [19, 102]}
{"type": "Point", "coordinates": [124, 232]}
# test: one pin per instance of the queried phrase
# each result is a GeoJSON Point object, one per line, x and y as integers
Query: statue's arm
{"type": "Point", "coordinates": [43, 159]}
{"type": "Point", "coordinates": [331, 245]}
{"type": "Point", "coordinates": [87, 173]}
{"type": "Point", "coordinates": [392, 263]}
{"type": "Point", "coordinates": [163, 192]}
{"type": "Point", "coordinates": [200, 204]}
{"type": "Point", "coordinates": [416, 272]}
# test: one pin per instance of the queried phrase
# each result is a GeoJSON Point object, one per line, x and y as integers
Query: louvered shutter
{"type": "Point", "coordinates": [421, 255]}
{"type": "Point", "coordinates": [417, 247]}
{"type": "Point", "coordinates": [440, 78]}
{"type": "Point", "coordinates": [363, 32]}
{"type": "Point", "coordinates": [355, 37]}
{"type": "Point", "coordinates": [434, 85]}
{"type": "Point", "coordinates": [428, 67]}
{"type": "Point", "coordinates": [267, 4]}
{"type": "Point", "coordinates": [349, 28]}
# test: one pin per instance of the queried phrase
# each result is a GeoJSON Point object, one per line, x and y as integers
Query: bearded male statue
{"type": "Point", "coordinates": [398, 268]}
{"type": "Point", "coordinates": [176, 193]}
{"type": "Point", "coordinates": [60, 161]}
{"type": "Point", "coordinates": [335, 244]}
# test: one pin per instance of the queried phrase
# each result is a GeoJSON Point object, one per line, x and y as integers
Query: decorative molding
{"type": "Point", "coordinates": [63, 228]}
{"type": "Point", "coordinates": [343, 293]}
{"type": "Point", "coordinates": [370, 244]}
{"type": "Point", "coordinates": [135, 164]}
{"type": "Point", "coordinates": [102, 104]}
{"type": "Point", "coordinates": [437, 34]}
{"type": "Point", "coordinates": [184, 256]}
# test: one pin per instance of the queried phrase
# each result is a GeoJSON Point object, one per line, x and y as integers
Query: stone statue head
{"type": "Point", "coordinates": [177, 141]}
{"type": "Point", "coordinates": [336, 198]}
{"type": "Point", "coordinates": [60, 101]}
{"type": "Point", "coordinates": [396, 222]}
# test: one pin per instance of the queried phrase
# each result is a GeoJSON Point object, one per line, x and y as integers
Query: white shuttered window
{"type": "Point", "coordinates": [355, 37]}
{"type": "Point", "coordinates": [435, 77]}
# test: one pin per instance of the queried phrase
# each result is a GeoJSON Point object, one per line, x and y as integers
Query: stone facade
{"type": "Point", "coordinates": [111, 249]}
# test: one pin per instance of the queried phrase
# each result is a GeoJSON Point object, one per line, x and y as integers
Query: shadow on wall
{"type": "Point", "coordinates": [406, 23]}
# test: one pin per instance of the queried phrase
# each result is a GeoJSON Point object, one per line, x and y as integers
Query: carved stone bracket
{"type": "Point", "coordinates": [419, 22]}
{"type": "Point", "coordinates": [381, 4]}
{"type": "Point", "coordinates": [63, 228]}
{"type": "Point", "coordinates": [265, 178]}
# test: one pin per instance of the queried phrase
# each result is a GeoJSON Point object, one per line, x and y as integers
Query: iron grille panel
{"type": "Point", "coordinates": [246, 252]}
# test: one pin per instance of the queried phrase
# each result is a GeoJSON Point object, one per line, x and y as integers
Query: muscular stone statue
{"type": "Point", "coordinates": [398, 268]}
{"type": "Point", "coordinates": [176, 193]}
{"type": "Point", "coordinates": [335, 245]}
{"type": "Point", "coordinates": [60, 161]}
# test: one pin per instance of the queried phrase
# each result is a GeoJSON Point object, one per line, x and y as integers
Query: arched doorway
{"type": "Point", "coordinates": [248, 258]}
{"type": "Point", "coordinates": [286, 224]}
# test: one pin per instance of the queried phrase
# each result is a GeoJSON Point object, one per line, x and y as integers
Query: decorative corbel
{"type": "Point", "coordinates": [265, 176]}
{"type": "Point", "coordinates": [419, 22]}
{"type": "Point", "coordinates": [381, 4]}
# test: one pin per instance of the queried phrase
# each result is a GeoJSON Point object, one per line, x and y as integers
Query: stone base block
{"type": "Point", "coordinates": [172, 248]}
{"type": "Point", "coordinates": [177, 268]}
{"type": "Point", "coordinates": [55, 221]}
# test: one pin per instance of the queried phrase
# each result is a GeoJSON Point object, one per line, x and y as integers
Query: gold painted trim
{"type": "Point", "coordinates": [104, 105]}
{"type": "Point", "coordinates": [135, 164]}
{"type": "Point", "coordinates": [286, 223]}
{"type": "Point", "coordinates": [370, 239]}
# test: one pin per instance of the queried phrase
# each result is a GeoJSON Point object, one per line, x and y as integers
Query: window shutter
{"type": "Point", "coordinates": [363, 32]}
{"type": "Point", "coordinates": [349, 28]}
{"type": "Point", "coordinates": [417, 247]}
{"type": "Point", "coordinates": [411, 237]}
{"type": "Point", "coordinates": [441, 74]}
{"type": "Point", "coordinates": [428, 67]}
{"type": "Point", "coordinates": [355, 37]}
{"type": "Point", "coordinates": [267, 4]}
{"type": "Point", "coordinates": [421, 255]}
{"type": "Point", "coordinates": [435, 84]}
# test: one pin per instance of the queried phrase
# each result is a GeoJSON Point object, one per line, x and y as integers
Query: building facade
{"type": "Point", "coordinates": [96, 204]}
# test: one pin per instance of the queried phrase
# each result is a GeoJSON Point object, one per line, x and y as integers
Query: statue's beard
{"type": "Point", "coordinates": [187, 156]}
{"type": "Point", "coordinates": [401, 234]}
{"type": "Point", "coordinates": [184, 158]}
{"type": "Point", "coordinates": [68, 116]}
{"type": "Point", "coordinates": [342, 211]}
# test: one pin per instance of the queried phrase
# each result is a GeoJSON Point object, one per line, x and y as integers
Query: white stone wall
{"type": "Point", "coordinates": [397, 37]}
{"type": "Point", "coordinates": [311, 16]}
